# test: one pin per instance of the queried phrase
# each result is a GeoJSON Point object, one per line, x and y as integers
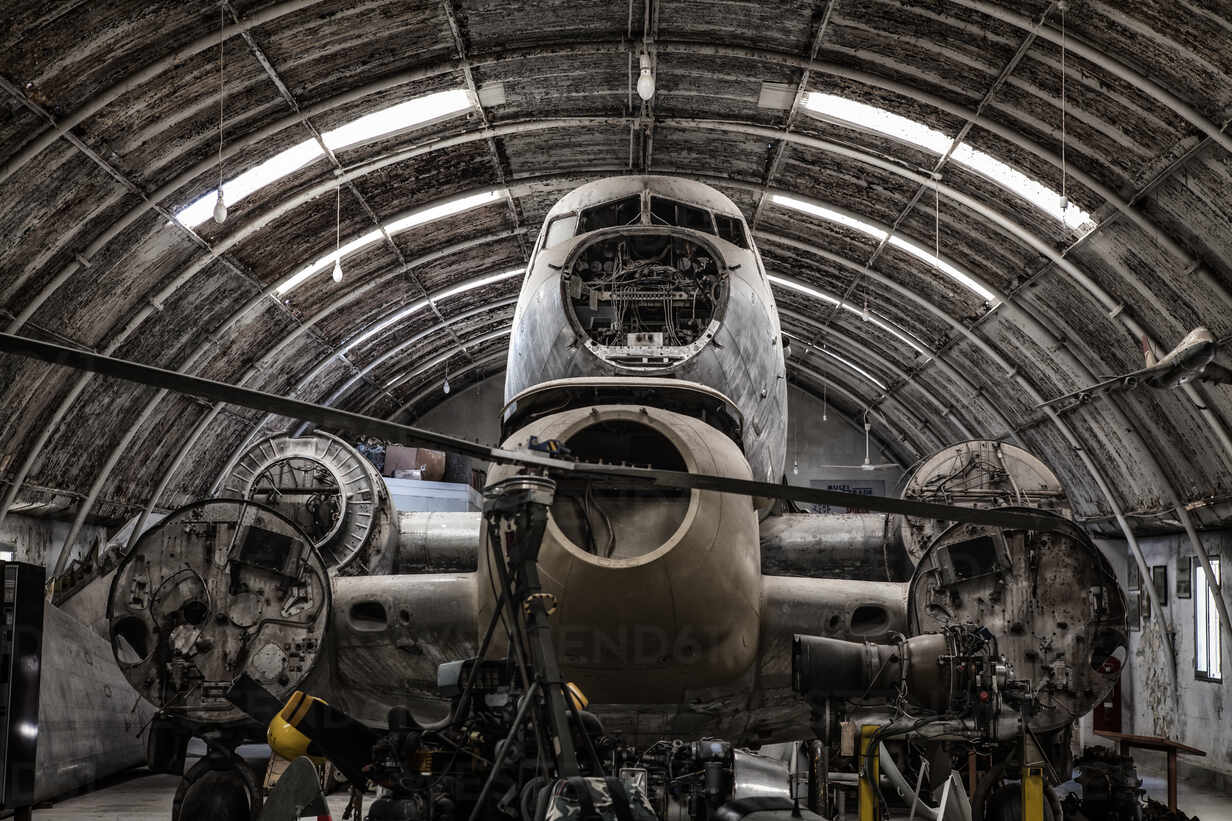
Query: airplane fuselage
{"type": "Point", "coordinates": [646, 276]}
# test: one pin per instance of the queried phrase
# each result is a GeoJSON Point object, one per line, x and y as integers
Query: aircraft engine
{"type": "Point", "coordinates": [329, 490]}
{"type": "Point", "coordinates": [1026, 620]}
{"type": "Point", "coordinates": [218, 588]}
{"type": "Point", "coordinates": [646, 579]}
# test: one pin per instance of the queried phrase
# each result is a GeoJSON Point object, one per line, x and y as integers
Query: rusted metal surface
{"type": "Point", "coordinates": [340, 62]}
{"type": "Point", "coordinates": [1051, 599]}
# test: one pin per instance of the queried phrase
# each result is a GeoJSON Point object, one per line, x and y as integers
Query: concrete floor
{"type": "Point", "coordinates": [138, 797]}
{"type": "Point", "coordinates": [141, 796]}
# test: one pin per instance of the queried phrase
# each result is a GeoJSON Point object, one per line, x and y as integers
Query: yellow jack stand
{"type": "Point", "coordinates": [870, 807]}
{"type": "Point", "coordinates": [1032, 781]}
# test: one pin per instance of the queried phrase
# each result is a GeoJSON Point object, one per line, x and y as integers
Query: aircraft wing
{"type": "Point", "coordinates": [1125, 381]}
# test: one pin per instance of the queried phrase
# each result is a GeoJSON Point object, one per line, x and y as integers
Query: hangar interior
{"type": "Point", "coordinates": [730, 286]}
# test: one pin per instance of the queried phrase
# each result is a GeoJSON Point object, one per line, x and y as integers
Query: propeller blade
{"type": "Point", "coordinates": [561, 469]}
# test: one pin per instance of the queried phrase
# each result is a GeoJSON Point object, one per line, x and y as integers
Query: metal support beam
{"type": "Point", "coordinates": [498, 165]}
{"type": "Point", "coordinates": [789, 120]}
{"type": "Point", "coordinates": [939, 166]}
{"type": "Point", "coordinates": [293, 104]}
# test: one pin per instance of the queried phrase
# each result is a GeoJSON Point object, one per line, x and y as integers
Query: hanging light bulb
{"type": "Point", "coordinates": [646, 80]}
{"type": "Point", "coordinates": [795, 467]}
{"type": "Point", "coordinates": [337, 272]}
{"type": "Point", "coordinates": [868, 465]}
{"type": "Point", "coordinates": [445, 386]}
{"type": "Point", "coordinates": [220, 209]}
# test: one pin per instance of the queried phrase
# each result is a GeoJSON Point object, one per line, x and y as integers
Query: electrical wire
{"type": "Point", "coordinates": [222, 25]}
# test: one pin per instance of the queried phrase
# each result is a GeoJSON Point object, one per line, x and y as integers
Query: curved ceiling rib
{"type": "Point", "coordinates": [1115, 307]}
{"type": "Point", "coordinates": [858, 76]}
{"type": "Point", "coordinates": [143, 75]}
{"type": "Point", "coordinates": [261, 221]}
{"type": "Point", "coordinates": [843, 362]}
{"type": "Point", "coordinates": [1112, 66]}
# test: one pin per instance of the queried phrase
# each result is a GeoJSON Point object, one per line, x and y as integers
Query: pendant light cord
{"type": "Point", "coordinates": [1064, 195]}
{"type": "Point", "coordinates": [222, 24]}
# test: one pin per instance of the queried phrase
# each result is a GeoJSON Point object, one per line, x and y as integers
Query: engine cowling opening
{"type": "Point", "coordinates": [622, 523]}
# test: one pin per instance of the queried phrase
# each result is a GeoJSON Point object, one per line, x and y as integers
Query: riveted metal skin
{"type": "Point", "coordinates": [686, 607]}
{"type": "Point", "coordinates": [1050, 598]}
{"type": "Point", "coordinates": [741, 355]}
{"type": "Point", "coordinates": [216, 589]}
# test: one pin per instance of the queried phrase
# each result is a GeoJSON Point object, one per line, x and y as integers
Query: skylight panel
{"type": "Point", "coordinates": [851, 366]}
{"type": "Point", "coordinates": [1031, 190]}
{"type": "Point", "coordinates": [966, 280]}
{"type": "Point", "coordinates": [423, 215]}
{"type": "Point", "coordinates": [833, 107]}
{"type": "Point", "coordinates": [419, 305]}
{"type": "Point", "coordinates": [399, 117]}
{"type": "Point", "coordinates": [829, 215]}
{"type": "Point", "coordinates": [280, 165]}
{"type": "Point", "coordinates": [409, 310]}
{"type": "Point", "coordinates": [442, 210]}
{"type": "Point", "coordinates": [839, 109]}
{"type": "Point", "coordinates": [327, 261]}
{"type": "Point", "coordinates": [846, 363]}
{"type": "Point", "coordinates": [902, 336]}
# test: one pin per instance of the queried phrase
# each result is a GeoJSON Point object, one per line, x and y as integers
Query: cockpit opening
{"type": "Point", "coordinates": [646, 299]}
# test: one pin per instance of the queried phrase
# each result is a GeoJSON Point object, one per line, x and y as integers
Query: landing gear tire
{"type": "Point", "coordinates": [999, 799]}
{"type": "Point", "coordinates": [219, 789]}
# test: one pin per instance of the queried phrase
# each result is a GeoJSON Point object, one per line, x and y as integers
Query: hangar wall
{"type": "Point", "coordinates": [1201, 715]}
{"type": "Point", "coordinates": [39, 540]}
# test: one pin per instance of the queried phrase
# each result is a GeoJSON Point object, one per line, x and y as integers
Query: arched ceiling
{"type": "Point", "coordinates": [109, 129]}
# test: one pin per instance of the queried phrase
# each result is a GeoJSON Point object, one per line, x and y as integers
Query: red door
{"type": "Point", "coordinates": [1107, 715]}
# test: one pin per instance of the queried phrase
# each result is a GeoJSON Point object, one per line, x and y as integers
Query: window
{"type": "Point", "coordinates": [862, 115]}
{"type": "Point", "coordinates": [848, 221]}
{"type": "Point", "coordinates": [627, 211]}
{"type": "Point", "coordinates": [731, 230]}
{"type": "Point", "coordinates": [1206, 626]}
{"type": "Point", "coordinates": [408, 114]}
{"type": "Point", "coordinates": [669, 212]}
{"type": "Point", "coordinates": [560, 229]}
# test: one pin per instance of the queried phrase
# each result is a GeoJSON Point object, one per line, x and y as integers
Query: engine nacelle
{"type": "Point", "coordinates": [646, 580]}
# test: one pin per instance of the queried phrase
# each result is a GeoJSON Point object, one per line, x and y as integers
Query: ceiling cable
{"type": "Point", "coordinates": [1063, 5]}
{"type": "Point", "coordinates": [825, 383]}
{"type": "Point", "coordinates": [220, 206]}
{"type": "Point", "coordinates": [337, 273]}
{"type": "Point", "coordinates": [936, 218]}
